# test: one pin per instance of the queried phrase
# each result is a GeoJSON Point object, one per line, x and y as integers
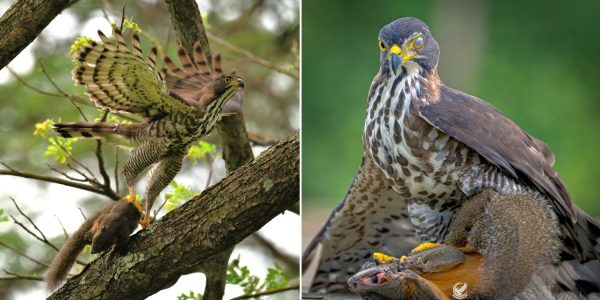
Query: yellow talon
{"type": "Point", "coordinates": [382, 258]}
{"type": "Point", "coordinates": [424, 246]}
{"type": "Point", "coordinates": [402, 258]}
{"type": "Point", "coordinates": [132, 199]}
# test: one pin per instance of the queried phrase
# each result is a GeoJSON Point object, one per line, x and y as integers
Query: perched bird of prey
{"type": "Point", "coordinates": [427, 147]}
{"type": "Point", "coordinates": [179, 105]}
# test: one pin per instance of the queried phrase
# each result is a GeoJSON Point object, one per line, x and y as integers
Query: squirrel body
{"type": "Point", "coordinates": [497, 247]}
{"type": "Point", "coordinates": [110, 226]}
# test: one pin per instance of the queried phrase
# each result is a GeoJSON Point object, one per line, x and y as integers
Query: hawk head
{"type": "Point", "coordinates": [407, 45]}
{"type": "Point", "coordinates": [215, 94]}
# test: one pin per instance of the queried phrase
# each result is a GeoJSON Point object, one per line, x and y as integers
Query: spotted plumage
{"type": "Point", "coordinates": [179, 105]}
{"type": "Point", "coordinates": [430, 147]}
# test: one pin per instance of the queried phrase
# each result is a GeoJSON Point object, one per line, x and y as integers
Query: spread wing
{"type": "Point", "coordinates": [481, 127]}
{"type": "Point", "coordinates": [186, 83]}
{"type": "Point", "coordinates": [372, 217]}
{"type": "Point", "coordinates": [121, 80]}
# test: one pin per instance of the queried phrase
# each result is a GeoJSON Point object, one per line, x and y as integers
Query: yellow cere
{"type": "Point", "coordinates": [425, 246]}
{"type": "Point", "coordinates": [382, 258]}
{"type": "Point", "coordinates": [395, 49]}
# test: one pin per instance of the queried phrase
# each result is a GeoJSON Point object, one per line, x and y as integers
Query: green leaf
{"type": "Point", "coordinates": [177, 194]}
{"type": "Point", "coordinates": [190, 296]}
{"type": "Point", "coordinates": [60, 149]}
{"type": "Point", "coordinates": [2, 217]}
{"type": "Point", "coordinates": [240, 275]}
{"type": "Point", "coordinates": [201, 150]}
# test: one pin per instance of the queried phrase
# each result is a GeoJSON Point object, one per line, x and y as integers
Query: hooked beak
{"type": "Point", "coordinates": [240, 83]}
{"type": "Point", "coordinates": [399, 56]}
{"type": "Point", "coordinates": [395, 61]}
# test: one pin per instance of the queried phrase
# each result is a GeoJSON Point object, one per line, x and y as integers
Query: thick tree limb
{"type": "Point", "coordinates": [188, 25]}
{"type": "Point", "coordinates": [23, 22]}
{"type": "Point", "coordinates": [216, 220]}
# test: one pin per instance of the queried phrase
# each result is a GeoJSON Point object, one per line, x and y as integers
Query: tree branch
{"type": "Point", "coordinates": [23, 22]}
{"type": "Point", "coordinates": [265, 293]}
{"type": "Point", "coordinates": [251, 56]}
{"type": "Point", "coordinates": [78, 185]}
{"type": "Point", "coordinates": [178, 243]}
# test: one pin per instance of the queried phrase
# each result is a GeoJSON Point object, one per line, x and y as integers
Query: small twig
{"type": "Point", "coordinates": [24, 255]}
{"type": "Point", "coordinates": [116, 169]}
{"type": "Point", "coordinates": [103, 8]}
{"type": "Point", "coordinates": [73, 159]}
{"type": "Point", "coordinates": [58, 89]}
{"type": "Point", "coordinates": [269, 292]}
{"type": "Point", "coordinates": [100, 158]}
{"type": "Point", "coordinates": [249, 55]}
{"type": "Point", "coordinates": [123, 16]}
{"type": "Point", "coordinates": [64, 174]}
{"type": "Point", "coordinates": [78, 185]}
{"type": "Point", "coordinates": [289, 260]}
{"type": "Point", "coordinates": [210, 161]}
{"type": "Point", "coordinates": [82, 214]}
{"type": "Point", "coordinates": [63, 227]}
{"type": "Point", "coordinates": [33, 234]}
{"type": "Point", "coordinates": [43, 236]}
{"type": "Point", "coordinates": [21, 277]}
{"type": "Point", "coordinates": [261, 139]}
{"type": "Point", "coordinates": [15, 276]}
{"type": "Point", "coordinates": [26, 84]}
{"type": "Point", "coordinates": [87, 178]}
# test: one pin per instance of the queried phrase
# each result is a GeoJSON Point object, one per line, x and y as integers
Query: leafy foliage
{"type": "Point", "coordinates": [190, 296]}
{"type": "Point", "coordinates": [240, 275]}
{"type": "Point", "coordinates": [3, 218]}
{"type": "Point", "coordinates": [60, 149]}
{"type": "Point", "coordinates": [112, 118]}
{"type": "Point", "coordinates": [202, 150]}
{"type": "Point", "coordinates": [178, 194]}
{"type": "Point", "coordinates": [43, 128]}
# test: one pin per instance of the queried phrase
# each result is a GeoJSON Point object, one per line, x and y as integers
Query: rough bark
{"type": "Point", "coordinates": [213, 222]}
{"type": "Point", "coordinates": [236, 153]}
{"type": "Point", "coordinates": [23, 22]}
{"type": "Point", "coordinates": [187, 22]}
{"type": "Point", "coordinates": [188, 25]}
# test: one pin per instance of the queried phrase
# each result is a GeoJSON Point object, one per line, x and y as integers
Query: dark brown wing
{"type": "Point", "coordinates": [481, 127]}
{"type": "Point", "coordinates": [186, 83]}
{"type": "Point", "coordinates": [372, 218]}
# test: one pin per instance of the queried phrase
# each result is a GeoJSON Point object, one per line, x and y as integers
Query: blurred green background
{"type": "Point", "coordinates": [536, 62]}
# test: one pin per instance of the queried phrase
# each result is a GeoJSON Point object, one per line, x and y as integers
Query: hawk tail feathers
{"type": "Point", "coordinates": [115, 133]}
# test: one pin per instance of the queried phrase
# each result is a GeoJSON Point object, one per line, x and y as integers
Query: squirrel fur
{"type": "Point", "coordinates": [498, 245]}
{"type": "Point", "coordinates": [110, 226]}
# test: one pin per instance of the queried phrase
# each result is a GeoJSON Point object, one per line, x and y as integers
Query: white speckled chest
{"type": "Point", "coordinates": [422, 163]}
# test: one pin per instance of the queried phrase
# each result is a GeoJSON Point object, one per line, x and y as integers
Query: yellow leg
{"type": "Point", "coordinates": [425, 246]}
{"type": "Point", "coordinates": [131, 199]}
{"type": "Point", "coordinates": [382, 258]}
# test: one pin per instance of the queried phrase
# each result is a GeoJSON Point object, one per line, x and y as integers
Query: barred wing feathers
{"type": "Point", "coordinates": [120, 80]}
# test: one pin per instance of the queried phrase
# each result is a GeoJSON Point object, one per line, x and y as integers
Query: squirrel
{"type": "Point", "coordinates": [110, 226]}
{"type": "Point", "coordinates": [497, 247]}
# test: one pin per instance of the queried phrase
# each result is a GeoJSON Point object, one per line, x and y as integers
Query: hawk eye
{"type": "Point", "coordinates": [419, 42]}
{"type": "Point", "coordinates": [227, 80]}
{"type": "Point", "coordinates": [381, 46]}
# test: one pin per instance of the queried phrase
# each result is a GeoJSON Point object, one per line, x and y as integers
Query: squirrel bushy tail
{"type": "Point", "coordinates": [65, 258]}
{"type": "Point", "coordinates": [110, 226]}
